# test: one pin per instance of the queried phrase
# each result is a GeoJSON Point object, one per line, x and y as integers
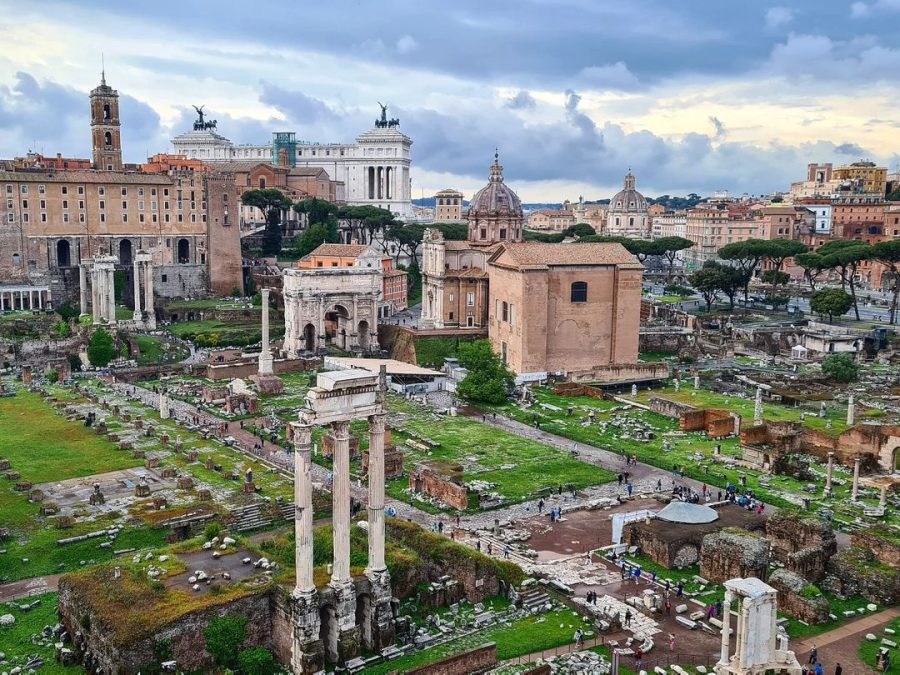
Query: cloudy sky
{"type": "Point", "coordinates": [693, 95]}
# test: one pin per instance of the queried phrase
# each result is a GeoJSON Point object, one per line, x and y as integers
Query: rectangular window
{"type": "Point", "coordinates": [24, 203]}
{"type": "Point", "coordinates": [102, 217]}
{"type": "Point", "coordinates": [451, 297]}
{"type": "Point", "coordinates": [43, 204]}
{"type": "Point", "coordinates": [10, 217]}
{"type": "Point", "coordinates": [9, 189]}
{"type": "Point", "coordinates": [140, 192]}
{"type": "Point", "coordinates": [124, 217]}
{"type": "Point", "coordinates": [81, 204]}
{"type": "Point", "coordinates": [124, 192]}
{"type": "Point", "coordinates": [24, 217]}
{"type": "Point", "coordinates": [9, 203]}
{"type": "Point", "coordinates": [153, 206]}
{"type": "Point", "coordinates": [154, 217]}
{"type": "Point", "coordinates": [41, 189]}
{"type": "Point", "coordinates": [64, 190]}
{"type": "Point", "coordinates": [165, 192]}
{"type": "Point", "coordinates": [166, 219]}
{"type": "Point", "coordinates": [140, 217]}
{"type": "Point", "coordinates": [470, 299]}
{"type": "Point", "coordinates": [140, 206]}
{"type": "Point", "coordinates": [81, 189]}
{"type": "Point", "coordinates": [65, 203]}
{"type": "Point", "coordinates": [152, 192]}
{"type": "Point", "coordinates": [44, 217]}
{"type": "Point", "coordinates": [102, 204]}
{"type": "Point", "coordinates": [101, 191]}
{"type": "Point", "coordinates": [65, 217]}
{"type": "Point", "coordinates": [505, 311]}
{"type": "Point", "coordinates": [24, 189]}
{"type": "Point", "coordinates": [80, 217]}
{"type": "Point", "coordinates": [124, 206]}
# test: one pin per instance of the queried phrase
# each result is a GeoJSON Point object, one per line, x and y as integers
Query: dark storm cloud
{"type": "Point", "coordinates": [850, 149]}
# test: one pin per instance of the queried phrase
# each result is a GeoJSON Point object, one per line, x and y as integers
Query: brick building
{"type": "Point", "coordinates": [54, 219]}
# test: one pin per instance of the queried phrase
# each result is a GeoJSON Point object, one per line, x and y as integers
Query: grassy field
{"type": "Point", "coordinates": [156, 350]}
{"type": "Point", "coordinates": [530, 465]}
{"type": "Point", "coordinates": [868, 651]}
{"type": "Point", "coordinates": [777, 490]}
{"type": "Point", "coordinates": [43, 446]}
{"type": "Point", "coordinates": [15, 640]}
{"type": "Point", "coordinates": [208, 303]}
{"type": "Point", "coordinates": [524, 636]}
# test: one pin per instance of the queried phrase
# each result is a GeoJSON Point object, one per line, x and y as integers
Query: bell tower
{"type": "Point", "coordinates": [106, 139]}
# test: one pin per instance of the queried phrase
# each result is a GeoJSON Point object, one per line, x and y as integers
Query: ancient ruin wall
{"type": "Point", "coordinates": [733, 553]}
{"type": "Point", "coordinates": [804, 545]}
{"type": "Point", "coordinates": [477, 660]}
{"type": "Point", "coordinates": [799, 599]}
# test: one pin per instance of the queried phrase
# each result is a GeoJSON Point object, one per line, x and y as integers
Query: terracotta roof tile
{"type": "Point", "coordinates": [102, 177]}
{"type": "Point", "coordinates": [340, 250]}
{"type": "Point", "coordinates": [531, 253]}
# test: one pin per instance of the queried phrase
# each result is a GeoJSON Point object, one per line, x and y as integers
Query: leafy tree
{"type": "Point", "coordinates": [812, 265]}
{"type": "Point", "coordinates": [549, 238]}
{"type": "Point", "coordinates": [746, 256]}
{"type": "Point", "coordinates": [888, 254]}
{"type": "Point", "coordinates": [312, 237]}
{"type": "Point", "coordinates": [364, 221]}
{"type": "Point", "coordinates": [580, 230]}
{"type": "Point", "coordinates": [257, 661]}
{"type": "Point", "coordinates": [679, 290]}
{"type": "Point", "coordinates": [831, 301]}
{"type": "Point", "coordinates": [453, 231]}
{"type": "Point", "coordinates": [407, 236]}
{"type": "Point", "coordinates": [844, 255]}
{"type": "Point", "coordinates": [777, 199]}
{"type": "Point", "coordinates": [776, 252]}
{"type": "Point", "coordinates": [413, 282]}
{"type": "Point", "coordinates": [775, 278]}
{"type": "Point", "coordinates": [708, 280]}
{"type": "Point", "coordinates": [53, 376]}
{"type": "Point", "coordinates": [840, 367]}
{"type": "Point", "coordinates": [224, 636]}
{"type": "Point", "coordinates": [62, 329]}
{"type": "Point", "coordinates": [101, 349]}
{"type": "Point", "coordinates": [68, 310]}
{"type": "Point", "coordinates": [271, 202]}
{"type": "Point", "coordinates": [316, 210]}
{"type": "Point", "coordinates": [489, 379]}
{"type": "Point", "coordinates": [669, 247]}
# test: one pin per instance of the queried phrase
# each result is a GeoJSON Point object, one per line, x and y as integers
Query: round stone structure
{"type": "Point", "coordinates": [689, 514]}
{"type": "Point", "coordinates": [495, 212]}
{"type": "Point", "coordinates": [627, 214]}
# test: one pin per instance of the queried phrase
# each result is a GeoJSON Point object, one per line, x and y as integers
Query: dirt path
{"type": "Point", "coordinates": [26, 587]}
{"type": "Point", "coordinates": [841, 645]}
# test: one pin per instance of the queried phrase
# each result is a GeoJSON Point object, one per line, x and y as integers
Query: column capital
{"type": "Point", "coordinates": [302, 434]}
{"type": "Point", "coordinates": [377, 423]}
{"type": "Point", "coordinates": [341, 429]}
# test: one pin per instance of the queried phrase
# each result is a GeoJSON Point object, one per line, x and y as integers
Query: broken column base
{"type": "Point", "coordinates": [268, 383]}
{"type": "Point", "coordinates": [378, 631]}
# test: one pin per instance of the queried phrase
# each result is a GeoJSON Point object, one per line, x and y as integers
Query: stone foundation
{"type": "Point", "coordinates": [803, 545]}
{"type": "Point", "coordinates": [797, 598]}
{"type": "Point", "coordinates": [446, 489]}
{"type": "Point", "coordinates": [732, 554]}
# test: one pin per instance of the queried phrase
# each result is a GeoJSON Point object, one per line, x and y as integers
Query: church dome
{"type": "Point", "coordinates": [628, 200]}
{"type": "Point", "coordinates": [496, 199]}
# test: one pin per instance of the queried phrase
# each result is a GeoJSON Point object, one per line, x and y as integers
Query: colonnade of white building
{"type": "Point", "coordinates": [35, 298]}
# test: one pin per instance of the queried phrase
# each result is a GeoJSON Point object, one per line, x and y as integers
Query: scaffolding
{"type": "Point", "coordinates": [284, 148]}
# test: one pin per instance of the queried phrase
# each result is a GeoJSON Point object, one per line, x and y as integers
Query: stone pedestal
{"type": "Point", "coordinates": [344, 643]}
{"type": "Point", "coordinates": [308, 655]}
{"type": "Point", "coordinates": [163, 407]}
{"type": "Point", "coordinates": [378, 629]}
{"type": "Point", "coordinates": [268, 384]}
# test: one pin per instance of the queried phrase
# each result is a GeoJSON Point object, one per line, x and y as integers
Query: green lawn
{"type": "Point", "coordinates": [464, 440]}
{"type": "Point", "coordinates": [156, 350]}
{"type": "Point", "coordinates": [868, 651]}
{"type": "Point", "coordinates": [43, 446]}
{"type": "Point", "coordinates": [15, 640]}
{"type": "Point", "coordinates": [524, 636]}
{"type": "Point", "coordinates": [230, 332]}
{"type": "Point", "coordinates": [208, 303]}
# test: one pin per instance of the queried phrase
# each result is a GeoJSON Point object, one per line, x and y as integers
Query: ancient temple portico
{"type": "Point", "coordinates": [325, 621]}
{"type": "Point", "coordinates": [23, 297]}
{"type": "Point", "coordinates": [143, 266]}
{"type": "Point", "coordinates": [103, 290]}
{"type": "Point", "coordinates": [756, 648]}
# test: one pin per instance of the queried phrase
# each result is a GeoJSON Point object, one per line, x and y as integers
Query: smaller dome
{"type": "Point", "coordinates": [495, 199]}
{"type": "Point", "coordinates": [683, 512]}
{"type": "Point", "coordinates": [628, 200]}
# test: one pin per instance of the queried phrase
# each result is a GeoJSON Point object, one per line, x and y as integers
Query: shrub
{"type": "Point", "coordinates": [224, 636]}
{"type": "Point", "coordinates": [53, 376]}
{"type": "Point", "coordinates": [68, 310]}
{"type": "Point", "coordinates": [212, 530]}
{"type": "Point", "coordinates": [840, 367]}
{"type": "Point", "coordinates": [257, 661]}
{"type": "Point", "coordinates": [101, 348]}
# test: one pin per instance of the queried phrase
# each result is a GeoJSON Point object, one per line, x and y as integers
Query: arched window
{"type": "Point", "coordinates": [579, 291]}
{"type": "Point", "coordinates": [107, 139]}
{"type": "Point", "coordinates": [17, 259]}
{"type": "Point", "coordinates": [106, 111]}
{"type": "Point", "coordinates": [631, 222]}
{"type": "Point", "coordinates": [184, 251]}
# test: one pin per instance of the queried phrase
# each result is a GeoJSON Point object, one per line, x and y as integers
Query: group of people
{"type": "Point", "coordinates": [815, 667]}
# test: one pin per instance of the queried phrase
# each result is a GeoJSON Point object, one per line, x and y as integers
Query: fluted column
{"type": "Point", "coordinates": [855, 493]}
{"type": "Point", "coordinates": [303, 509]}
{"type": "Point", "coordinates": [376, 493]}
{"type": "Point", "coordinates": [138, 315]}
{"type": "Point", "coordinates": [726, 620]}
{"type": "Point", "coordinates": [341, 502]}
{"type": "Point", "coordinates": [265, 354]}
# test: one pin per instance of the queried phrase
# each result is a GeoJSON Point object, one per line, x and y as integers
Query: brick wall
{"type": "Point", "coordinates": [477, 660]}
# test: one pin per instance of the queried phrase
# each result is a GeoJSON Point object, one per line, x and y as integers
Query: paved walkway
{"type": "Point", "coordinates": [26, 587]}
{"type": "Point", "coordinates": [841, 645]}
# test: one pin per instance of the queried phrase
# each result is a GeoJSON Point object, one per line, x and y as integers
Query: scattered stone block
{"type": "Point", "coordinates": [681, 609]}
{"type": "Point", "coordinates": [687, 623]}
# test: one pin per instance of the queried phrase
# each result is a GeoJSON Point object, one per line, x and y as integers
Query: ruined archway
{"type": "Point", "coordinates": [125, 252]}
{"type": "Point", "coordinates": [363, 618]}
{"type": "Point", "coordinates": [184, 251]}
{"type": "Point", "coordinates": [309, 337]}
{"type": "Point", "coordinates": [337, 323]}
{"type": "Point", "coordinates": [63, 253]}
{"type": "Point", "coordinates": [362, 335]}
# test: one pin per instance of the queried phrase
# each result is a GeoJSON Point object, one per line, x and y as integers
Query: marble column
{"type": "Point", "coordinates": [376, 493]}
{"type": "Point", "coordinates": [111, 294]}
{"type": "Point", "coordinates": [882, 500]}
{"type": "Point", "coordinates": [854, 494]}
{"type": "Point", "coordinates": [851, 411]}
{"type": "Point", "coordinates": [758, 407]}
{"type": "Point", "coordinates": [40, 297]}
{"type": "Point", "coordinates": [303, 509]}
{"type": "Point", "coordinates": [148, 294]}
{"type": "Point", "coordinates": [265, 354]}
{"type": "Point", "coordinates": [95, 296]}
{"type": "Point", "coordinates": [726, 621]}
{"type": "Point", "coordinates": [341, 502]}
{"type": "Point", "coordinates": [82, 287]}
{"type": "Point", "coordinates": [138, 315]}
{"type": "Point", "coordinates": [828, 475]}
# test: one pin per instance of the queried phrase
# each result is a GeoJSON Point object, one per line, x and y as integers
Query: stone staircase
{"type": "Point", "coordinates": [534, 599]}
{"type": "Point", "coordinates": [254, 516]}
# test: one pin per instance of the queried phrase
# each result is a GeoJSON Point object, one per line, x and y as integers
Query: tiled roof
{"type": "Point", "coordinates": [469, 273]}
{"type": "Point", "coordinates": [340, 250]}
{"type": "Point", "coordinates": [532, 253]}
{"type": "Point", "coordinates": [102, 177]}
{"type": "Point", "coordinates": [246, 165]}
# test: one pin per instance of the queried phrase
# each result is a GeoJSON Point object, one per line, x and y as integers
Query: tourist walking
{"type": "Point", "coordinates": [819, 669]}
{"type": "Point", "coordinates": [668, 606]}
{"type": "Point", "coordinates": [813, 655]}
{"type": "Point", "coordinates": [838, 670]}
{"type": "Point", "coordinates": [638, 656]}
{"type": "Point", "coordinates": [627, 617]}
{"type": "Point", "coordinates": [671, 642]}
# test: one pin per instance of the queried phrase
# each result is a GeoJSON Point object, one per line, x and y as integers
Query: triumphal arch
{"type": "Point", "coordinates": [333, 623]}
{"type": "Point", "coordinates": [337, 306]}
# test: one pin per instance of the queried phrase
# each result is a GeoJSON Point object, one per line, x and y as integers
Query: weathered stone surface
{"type": "Point", "coordinates": [796, 597]}
{"type": "Point", "coordinates": [734, 553]}
{"type": "Point", "coordinates": [855, 571]}
{"type": "Point", "coordinates": [803, 544]}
